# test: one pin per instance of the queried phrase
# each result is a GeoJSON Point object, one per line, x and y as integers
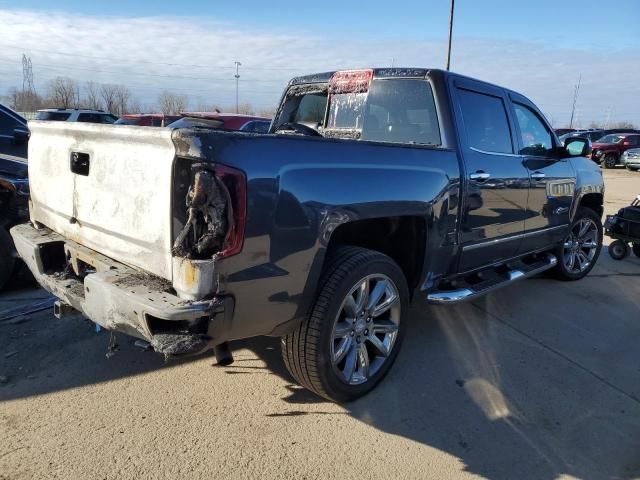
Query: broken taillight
{"type": "Point", "coordinates": [236, 189]}
{"type": "Point", "coordinates": [350, 81]}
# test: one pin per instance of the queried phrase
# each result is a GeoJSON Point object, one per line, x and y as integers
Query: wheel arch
{"type": "Point", "coordinates": [402, 238]}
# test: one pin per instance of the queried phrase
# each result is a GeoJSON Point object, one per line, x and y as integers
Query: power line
{"type": "Point", "coordinates": [58, 52]}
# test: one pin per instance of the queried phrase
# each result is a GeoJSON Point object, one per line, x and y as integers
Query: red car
{"type": "Point", "coordinates": [609, 149]}
{"type": "Point", "coordinates": [225, 121]}
{"type": "Point", "coordinates": [147, 119]}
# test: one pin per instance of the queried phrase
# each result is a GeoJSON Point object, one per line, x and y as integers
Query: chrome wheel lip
{"type": "Point", "coordinates": [365, 329]}
{"type": "Point", "coordinates": [580, 247]}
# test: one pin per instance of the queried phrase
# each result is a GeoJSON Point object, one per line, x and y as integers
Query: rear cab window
{"type": "Point", "coordinates": [486, 122]}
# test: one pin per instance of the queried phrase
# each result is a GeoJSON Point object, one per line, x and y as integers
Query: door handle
{"type": "Point", "coordinates": [538, 175]}
{"type": "Point", "coordinates": [480, 176]}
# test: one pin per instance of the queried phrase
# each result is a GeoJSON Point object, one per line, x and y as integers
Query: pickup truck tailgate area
{"type": "Point", "coordinates": [107, 187]}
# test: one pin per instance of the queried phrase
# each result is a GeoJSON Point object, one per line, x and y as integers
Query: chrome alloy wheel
{"type": "Point", "coordinates": [365, 328]}
{"type": "Point", "coordinates": [580, 246]}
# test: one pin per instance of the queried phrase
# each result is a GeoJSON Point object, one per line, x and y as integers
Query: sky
{"type": "Point", "coordinates": [539, 48]}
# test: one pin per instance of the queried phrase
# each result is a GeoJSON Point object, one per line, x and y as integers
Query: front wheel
{"type": "Point", "coordinates": [581, 249]}
{"type": "Point", "coordinates": [610, 160]}
{"type": "Point", "coordinates": [354, 332]}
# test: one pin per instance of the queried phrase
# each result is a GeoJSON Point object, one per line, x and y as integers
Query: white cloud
{"type": "Point", "coordinates": [195, 56]}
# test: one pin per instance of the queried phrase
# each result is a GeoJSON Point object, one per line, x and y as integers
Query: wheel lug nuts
{"type": "Point", "coordinates": [352, 332]}
{"type": "Point", "coordinates": [366, 332]}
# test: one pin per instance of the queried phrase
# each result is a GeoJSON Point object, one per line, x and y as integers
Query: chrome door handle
{"type": "Point", "coordinates": [480, 175]}
{"type": "Point", "coordinates": [538, 175]}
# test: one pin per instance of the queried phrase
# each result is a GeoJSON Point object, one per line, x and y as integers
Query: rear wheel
{"type": "Point", "coordinates": [610, 160]}
{"type": "Point", "coordinates": [581, 249]}
{"type": "Point", "coordinates": [7, 260]}
{"type": "Point", "coordinates": [619, 249]}
{"type": "Point", "coordinates": [354, 333]}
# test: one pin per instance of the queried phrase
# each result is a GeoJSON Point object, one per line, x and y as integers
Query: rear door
{"type": "Point", "coordinates": [553, 179]}
{"type": "Point", "coordinates": [496, 183]}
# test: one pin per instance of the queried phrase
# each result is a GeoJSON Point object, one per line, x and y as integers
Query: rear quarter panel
{"type": "Point", "coordinates": [299, 191]}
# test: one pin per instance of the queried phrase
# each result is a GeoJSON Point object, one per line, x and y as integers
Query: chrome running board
{"type": "Point", "coordinates": [470, 292]}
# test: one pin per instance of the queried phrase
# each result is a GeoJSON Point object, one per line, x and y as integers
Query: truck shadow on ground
{"type": "Point", "coordinates": [465, 384]}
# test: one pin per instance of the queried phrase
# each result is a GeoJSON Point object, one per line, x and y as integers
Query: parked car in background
{"type": "Point", "coordinates": [631, 159]}
{"type": "Point", "coordinates": [562, 131]}
{"type": "Point", "coordinates": [75, 115]}
{"type": "Point", "coordinates": [147, 119]}
{"type": "Point", "coordinates": [14, 133]}
{"type": "Point", "coordinates": [14, 209]}
{"type": "Point", "coordinates": [608, 150]}
{"type": "Point", "coordinates": [592, 135]}
{"type": "Point", "coordinates": [224, 121]}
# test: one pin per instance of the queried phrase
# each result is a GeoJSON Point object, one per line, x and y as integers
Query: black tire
{"type": "Point", "coordinates": [610, 160]}
{"type": "Point", "coordinates": [636, 249]}
{"type": "Point", "coordinates": [560, 271]}
{"type": "Point", "coordinates": [7, 259]}
{"type": "Point", "coordinates": [618, 250]}
{"type": "Point", "coordinates": [307, 351]}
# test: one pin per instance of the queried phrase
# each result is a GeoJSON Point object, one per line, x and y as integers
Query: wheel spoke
{"type": "Point", "coordinates": [376, 295]}
{"type": "Point", "coordinates": [378, 345]}
{"type": "Point", "coordinates": [584, 227]}
{"type": "Point", "coordinates": [343, 329]}
{"type": "Point", "coordinates": [384, 326]}
{"type": "Point", "coordinates": [363, 361]}
{"type": "Point", "coordinates": [362, 297]}
{"type": "Point", "coordinates": [345, 346]}
{"type": "Point", "coordinates": [570, 262]}
{"type": "Point", "coordinates": [350, 364]}
{"type": "Point", "coordinates": [582, 260]}
{"type": "Point", "coordinates": [389, 302]}
{"type": "Point", "coordinates": [350, 307]}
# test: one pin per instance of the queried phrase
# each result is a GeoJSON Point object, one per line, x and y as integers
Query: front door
{"type": "Point", "coordinates": [553, 179]}
{"type": "Point", "coordinates": [497, 182]}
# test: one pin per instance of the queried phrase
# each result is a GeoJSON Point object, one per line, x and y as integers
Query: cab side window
{"type": "Point", "coordinates": [485, 120]}
{"type": "Point", "coordinates": [536, 137]}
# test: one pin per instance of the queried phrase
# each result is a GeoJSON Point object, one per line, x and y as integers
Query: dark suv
{"type": "Point", "coordinates": [608, 150]}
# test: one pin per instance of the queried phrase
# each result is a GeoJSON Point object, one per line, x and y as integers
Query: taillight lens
{"type": "Point", "coordinates": [236, 183]}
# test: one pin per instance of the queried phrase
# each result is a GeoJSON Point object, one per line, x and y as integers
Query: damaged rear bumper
{"type": "Point", "coordinates": [120, 298]}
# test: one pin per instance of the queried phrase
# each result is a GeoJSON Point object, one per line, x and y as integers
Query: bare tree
{"type": "Point", "coordinates": [24, 101]}
{"type": "Point", "coordinates": [171, 103]}
{"type": "Point", "coordinates": [109, 94]}
{"type": "Point", "coordinates": [92, 95]}
{"type": "Point", "coordinates": [63, 92]}
{"type": "Point", "coordinates": [245, 109]}
{"type": "Point", "coordinates": [203, 106]}
{"type": "Point", "coordinates": [123, 95]}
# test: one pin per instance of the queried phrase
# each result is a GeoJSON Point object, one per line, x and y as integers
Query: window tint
{"type": "Point", "coordinates": [90, 118]}
{"type": "Point", "coordinates": [53, 116]}
{"type": "Point", "coordinates": [401, 111]}
{"type": "Point", "coordinates": [485, 120]}
{"type": "Point", "coordinates": [536, 138]}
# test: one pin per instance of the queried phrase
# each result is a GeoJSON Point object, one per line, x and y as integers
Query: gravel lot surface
{"type": "Point", "coordinates": [540, 380]}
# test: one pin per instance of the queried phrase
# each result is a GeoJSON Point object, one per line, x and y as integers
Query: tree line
{"type": "Point", "coordinates": [65, 92]}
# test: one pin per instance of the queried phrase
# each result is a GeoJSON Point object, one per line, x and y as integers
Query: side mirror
{"type": "Point", "coordinates": [20, 136]}
{"type": "Point", "coordinates": [577, 147]}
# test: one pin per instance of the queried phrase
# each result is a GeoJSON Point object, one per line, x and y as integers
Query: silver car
{"type": "Point", "coordinates": [631, 159]}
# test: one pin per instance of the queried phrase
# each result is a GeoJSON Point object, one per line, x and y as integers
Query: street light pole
{"type": "Point", "coordinates": [237, 76]}
{"type": "Point", "coordinates": [450, 33]}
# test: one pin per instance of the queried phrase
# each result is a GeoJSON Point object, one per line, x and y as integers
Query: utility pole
{"type": "Point", "coordinates": [237, 76]}
{"type": "Point", "coordinates": [450, 33]}
{"type": "Point", "coordinates": [575, 99]}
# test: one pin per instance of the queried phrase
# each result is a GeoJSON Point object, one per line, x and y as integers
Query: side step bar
{"type": "Point", "coordinates": [446, 297]}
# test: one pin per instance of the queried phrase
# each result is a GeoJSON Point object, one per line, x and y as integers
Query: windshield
{"type": "Point", "coordinates": [53, 116]}
{"type": "Point", "coordinates": [611, 139]}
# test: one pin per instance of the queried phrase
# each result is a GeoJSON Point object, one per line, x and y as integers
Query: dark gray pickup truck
{"type": "Point", "coordinates": [372, 187]}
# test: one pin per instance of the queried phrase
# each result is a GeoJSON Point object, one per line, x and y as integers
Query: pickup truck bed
{"type": "Point", "coordinates": [373, 186]}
